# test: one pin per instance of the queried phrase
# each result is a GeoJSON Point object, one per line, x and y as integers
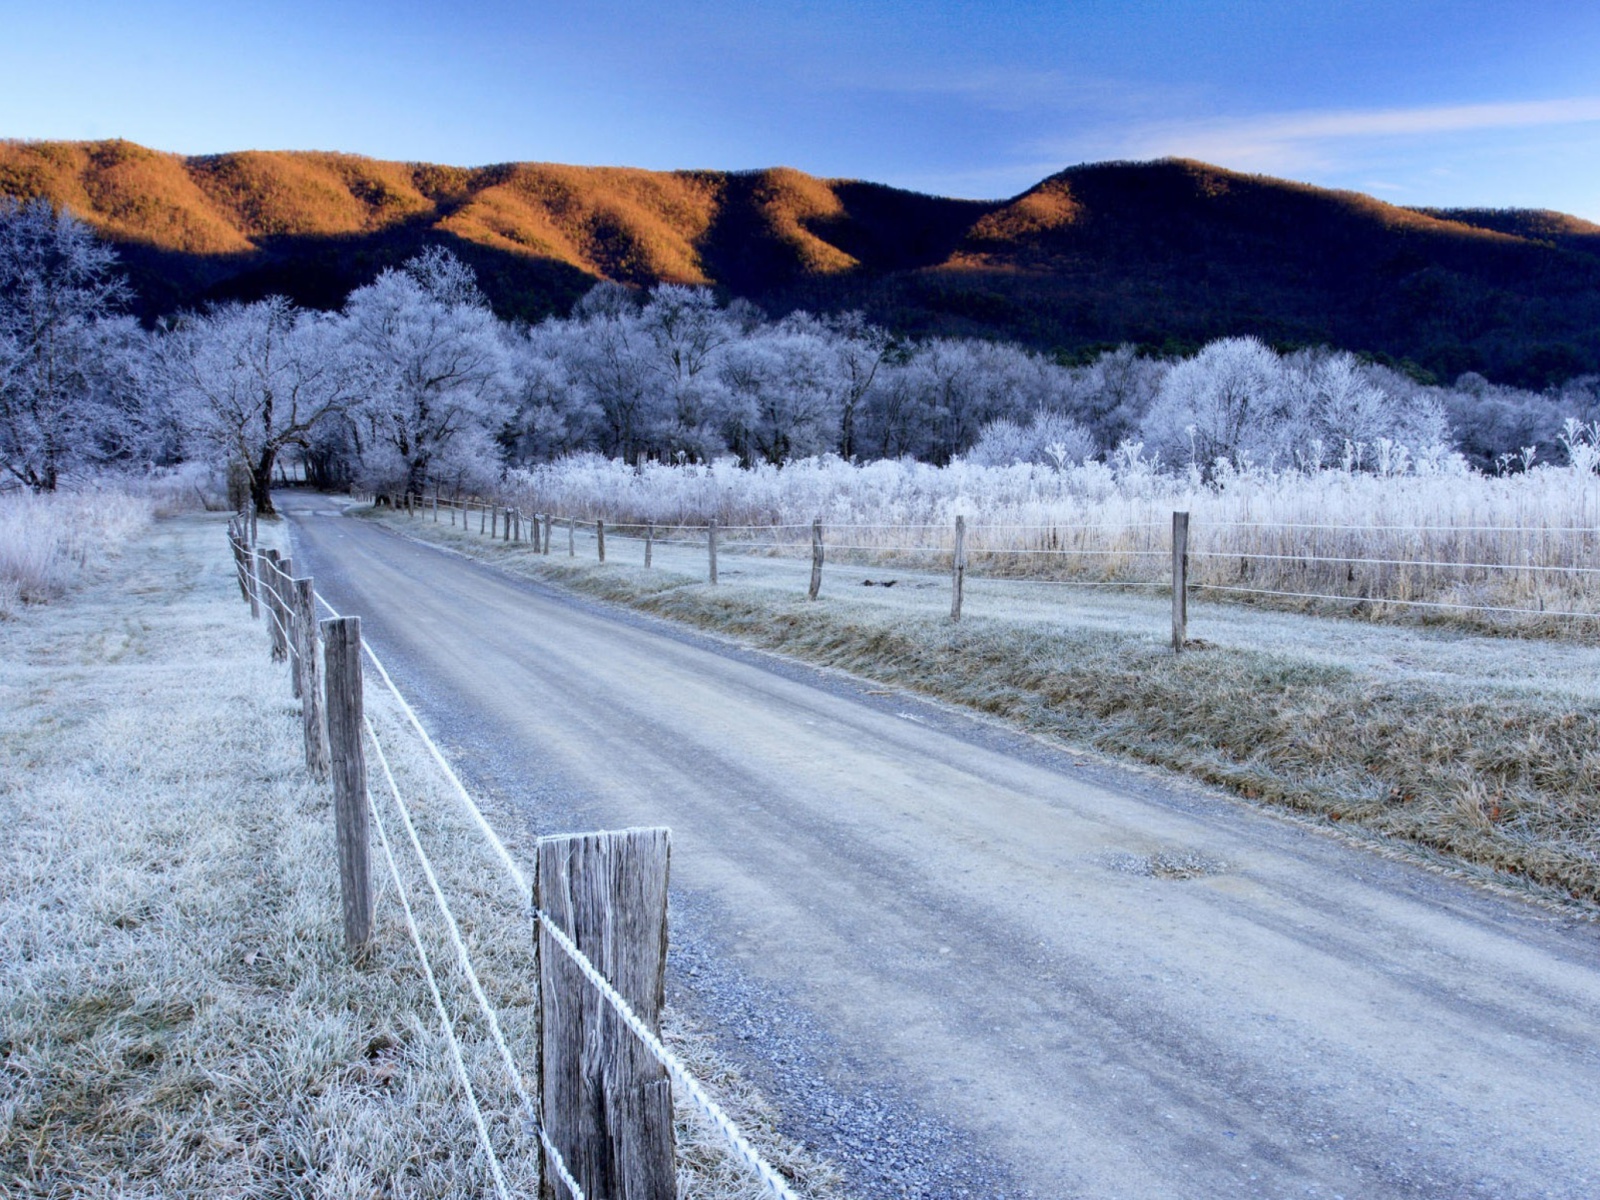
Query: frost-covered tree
{"type": "Point", "coordinates": [438, 381]}
{"type": "Point", "coordinates": [1111, 395]}
{"type": "Point", "coordinates": [685, 335]}
{"type": "Point", "coordinates": [785, 387]}
{"type": "Point", "coordinates": [1223, 405]}
{"type": "Point", "coordinates": [860, 350]}
{"type": "Point", "coordinates": [249, 381]}
{"type": "Point", "coordinates": [554, 416]}
{"type": "Point", "coordinates": [1049, 439]}
{"type": "Point", "coordinates": [608, 358]}
{"type": "Point", "coordinates": [1336, 409]}
{"type": "Point", "coordinates": [61, 405]}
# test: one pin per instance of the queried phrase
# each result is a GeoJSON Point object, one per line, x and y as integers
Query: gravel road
{"type": "Point", "coordinates": [962, 962]}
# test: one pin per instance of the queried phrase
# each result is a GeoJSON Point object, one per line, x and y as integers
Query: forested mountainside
{"type": "Point", "coordinates": [1170, 253]}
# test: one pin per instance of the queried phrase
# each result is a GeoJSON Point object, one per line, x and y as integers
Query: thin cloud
{"type": "Point", "coordinates": [1311, 138]}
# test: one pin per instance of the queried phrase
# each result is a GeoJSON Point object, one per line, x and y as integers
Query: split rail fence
{"type": "Point", "coordinates": [1498, 576]}
{"type": "Point", "coordinates": [602, 1102]}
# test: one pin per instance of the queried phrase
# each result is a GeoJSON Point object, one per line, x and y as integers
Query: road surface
{"type": "Point", "coordinates": [965, 963]}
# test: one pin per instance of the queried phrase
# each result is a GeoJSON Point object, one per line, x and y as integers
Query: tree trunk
{"type": "Point", "coordinates": [261, 481]}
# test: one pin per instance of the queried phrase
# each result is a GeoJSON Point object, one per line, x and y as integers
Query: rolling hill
{"type": "Point", "coordinates": [1169, 253]}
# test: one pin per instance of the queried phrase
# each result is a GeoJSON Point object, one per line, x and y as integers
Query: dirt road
{"type": "Point", "coordinates": [966, 963]}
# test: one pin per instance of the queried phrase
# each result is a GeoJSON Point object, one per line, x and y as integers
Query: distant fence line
{"type": "Point", "coordinates": [1497, 575]}
{"type": "Point", "coordinates": [601, 1108]}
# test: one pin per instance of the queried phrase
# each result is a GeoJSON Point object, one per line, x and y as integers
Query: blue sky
{"type": "Point", "coordinates": [1462, 103]}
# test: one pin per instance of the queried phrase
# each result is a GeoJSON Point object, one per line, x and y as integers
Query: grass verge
{"type": "Point", "coordinates": [180, 1018]}
{"type": "Point", "coordinates": [1501, 782]}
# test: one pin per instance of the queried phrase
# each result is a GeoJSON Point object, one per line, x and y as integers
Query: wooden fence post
{"type": "Point", "coordinates": [958, 569]}
{"type": "Point", "coordinates": [816, 560]}
{"type": "Point", "coordinates": [572, 537]}
{"type": "Point", "coordinates": [600, 539]}
{"type": "Point", "coordinates": [549, 531]}
{"type": "Point", "coordinates": [533, 531]}
{"type": "Point", "coordinates": [305, 626]}
{"type": "Point", "coordinates": [268, 573]}
{"type": "Point", "coordinates": [606, 1101]}
{"type": "Point", "coordinates": [649, 540]}
{"type": "Point", "coordinates": [252, 567]}
{"type": "Point", "coordinates": [1180, 581]}
{"type": "Point", "coordinates": [291, 624]}
{"type": "Point", "coordinates": [341, 637]}
{"type": "Point", "coordinates": [288, 617]}
{"type": "Point", "coordinates": [711, 547]}
{"type": "Point", "coordinates": [483, 515]}
{"type": "Point", "coordinates": [236, 544]}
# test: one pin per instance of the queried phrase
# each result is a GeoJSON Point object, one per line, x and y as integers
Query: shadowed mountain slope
{"type": "Point", "coordinates": [1167, 253]}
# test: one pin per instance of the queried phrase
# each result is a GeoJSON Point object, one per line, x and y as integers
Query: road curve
{"type": "Point", "coordinates": [965, 963]}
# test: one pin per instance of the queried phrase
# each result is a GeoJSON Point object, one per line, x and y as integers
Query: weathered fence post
{"type": "Point", "coordinates": [341, 637]}
{"type": "Point", "coordinates": [549, 530]}
{"type": "Point", "coordinates": [606, 1101]}
{"type": "Point", "coordinates": [252, 567]}
{"type": "Point", "coordinates": [958, 569]}
{"type": "Point", "coordinates": [267, 572]}
{"type": "Point", "coordinates": [711, 547]}
{"type": "Point", "coordinates": [483, 515]}
{"type": "Point", "coordinates": [533, 532]}
{"type": "Point", "coordinates": [280, 587]}
{"type": "Point", "coordinates": [435, 505]}
{"type": "Point", "coordinates": [305, 604]}
{"type": "Point", "coordinates": [600, 539]}
{"type": "Point", "coordinates": [236, 544]}
{"type": "Point", "coordinates": [1180, 581]}
{"type": "Point", "coordinates": [649, 540]}
{"type": "Point", "coordinates": [572, 537]}
{"type": "Point", "coordinates": [816, 560]}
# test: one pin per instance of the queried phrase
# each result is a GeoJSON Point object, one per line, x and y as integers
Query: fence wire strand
{"type": "Point", "coordinates": [501, 1190]}
{"type": "Point", "coordinates": [464, 959]}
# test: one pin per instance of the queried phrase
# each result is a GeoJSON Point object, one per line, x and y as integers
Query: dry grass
{"type": "Point", "coordinates": [50, 542]}
{"type": "Point", "coordinates": [1501, 781]}
{"type": "Point", "coordinates": [180, 1018]}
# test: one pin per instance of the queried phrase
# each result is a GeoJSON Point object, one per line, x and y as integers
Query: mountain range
{"type": "Point", "coordinates": [1168, 254]}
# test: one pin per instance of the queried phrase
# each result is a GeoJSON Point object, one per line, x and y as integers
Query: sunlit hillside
{"type": "Point", "coordinates": [1170, 253]}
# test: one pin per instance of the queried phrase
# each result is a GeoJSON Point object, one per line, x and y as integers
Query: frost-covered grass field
{"type": "Point", "coordinates": [1476, 750]}
{"type": "Point", "coordinates": [178, 1014]}
{"type": "Point", "coordinates": [47, 541]}
{"type": "Point", "coordinates": [1429, 541]}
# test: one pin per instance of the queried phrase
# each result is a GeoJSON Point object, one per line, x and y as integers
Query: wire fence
{"type": "Point", "coordinates": [1535, 578]}
{"type": "Point", "coordinates": [266, 581]}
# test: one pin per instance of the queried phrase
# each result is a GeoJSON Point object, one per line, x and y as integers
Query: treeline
{"type": "Point", "coordinates": [415, 383]}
